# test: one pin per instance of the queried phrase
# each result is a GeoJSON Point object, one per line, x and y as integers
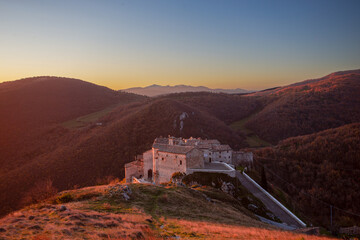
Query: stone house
{"type": "Point", "coordinates": [170, 155]}
{"type": "Point", "coordinates": [213, 150]}
{"type": "Point", "coordinates": [244, 159]}
{"type": "Point", "coordinates": [134, 168]}
{"type": "Point", "coordinates": [168, 159]}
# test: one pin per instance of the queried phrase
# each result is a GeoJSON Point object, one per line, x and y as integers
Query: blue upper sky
{"type": "Point", "coordinates": [247, 44]}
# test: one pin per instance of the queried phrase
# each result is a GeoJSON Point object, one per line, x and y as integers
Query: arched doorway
{"type": "Point", "coordinates": [150, 173]}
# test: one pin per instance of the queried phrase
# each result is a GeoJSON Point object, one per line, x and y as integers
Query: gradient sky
{"type": "Point", "coordinates": [227, 44]}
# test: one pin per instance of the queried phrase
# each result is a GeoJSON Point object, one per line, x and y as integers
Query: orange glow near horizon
{"type": "Point", "coordinates": [122, 81]}
{"type": "Point", "coordinates": [123, 44]}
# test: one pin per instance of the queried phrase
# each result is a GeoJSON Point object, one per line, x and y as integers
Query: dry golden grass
{"type": "Point", "coordinates": [205, 230]}
{"type": "Point", "coordinates": [74, 223]}
{"type": "Point", "coordinates": [99, 217]}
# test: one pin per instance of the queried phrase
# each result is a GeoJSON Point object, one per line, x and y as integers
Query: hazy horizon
{"type": "Point", "coordinates": [229, 44]}
{"type": "Point", "coordinates": [187, 85]}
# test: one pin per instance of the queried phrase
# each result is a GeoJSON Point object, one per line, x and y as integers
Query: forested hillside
{"type": "Point", "coordinates": [226, 107]}
{"type": "Point", "coordinates": [308, 107]}
{"type": "Point", "coordinates": [317, 171]}
{"type": "Point", "coordinates": [31, 108]}
{"type": "Point", "coordinates": [87, 155]}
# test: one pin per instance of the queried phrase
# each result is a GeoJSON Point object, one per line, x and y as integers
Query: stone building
{"type": "Point", "coordinates": [213, 150]}
{"type": "Point", "coordinates": [170, 155]}
{"type": "Point", "coordinates": [244, 159]}
{"type": "Point", "coordinates": [134, 168]}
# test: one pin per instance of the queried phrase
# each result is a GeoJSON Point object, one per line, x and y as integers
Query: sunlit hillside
{"type": "Point", "coordinates": [150, 212]}
{"type": "Point", "coordinates": [308, 107]}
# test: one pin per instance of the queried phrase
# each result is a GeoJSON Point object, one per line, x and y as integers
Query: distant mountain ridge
{"type": "Point", "coordinates": [156, 90]}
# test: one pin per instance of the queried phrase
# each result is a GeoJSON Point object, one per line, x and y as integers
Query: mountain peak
{"type": "Point", "coordinates": [153, 85]}
{"type": "Point", "coordinates": [156, 90]}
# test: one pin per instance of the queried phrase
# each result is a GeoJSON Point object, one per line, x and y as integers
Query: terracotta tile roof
{"type": "Point", "coordinates": [173, 148]}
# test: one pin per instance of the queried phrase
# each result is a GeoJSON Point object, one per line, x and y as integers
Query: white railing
{"type": "Point", "coordinates": [229, 171]}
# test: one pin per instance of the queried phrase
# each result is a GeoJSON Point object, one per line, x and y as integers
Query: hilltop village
{"type": "Point", "coordinates": [170, 155]}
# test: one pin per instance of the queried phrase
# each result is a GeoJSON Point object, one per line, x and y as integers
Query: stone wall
{"type": "Point", "coordinates": [207, 155]}
{"type": "Point", "coordinates": [148, 165]}
{"type": "Point", "coordinates": [165, 164]}
{"type": "Point", "coordinates": [222, 156]}
{"type": "Point", "coordinates": [244, 159]}
{"type": "Point", "coordinates": [195, 159]}
{"type": "Point", "coordinates": [134, 169]}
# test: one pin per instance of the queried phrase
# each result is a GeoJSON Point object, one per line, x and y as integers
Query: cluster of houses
{"type": "Point", "coordinates": [170, 155]}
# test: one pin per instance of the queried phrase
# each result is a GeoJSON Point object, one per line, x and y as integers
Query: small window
{"type": "Point", "coordinates": [180, 162]}
{"type": "Point", "coordinates": [162, 158]}
{"type": "Point", "coordinates": [229, 157]}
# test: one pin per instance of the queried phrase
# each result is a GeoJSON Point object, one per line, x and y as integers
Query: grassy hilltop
{"type": "Point", "coordinates": [138, 211]}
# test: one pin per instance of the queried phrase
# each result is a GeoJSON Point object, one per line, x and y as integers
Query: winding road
{"type": "Point", "coordinates": [270, 203]}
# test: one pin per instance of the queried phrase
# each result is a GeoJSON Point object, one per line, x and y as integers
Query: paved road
{"type": "Point", "coordinates": [268, 202]}
{"type": "Point", "coordinates": [280, 225]}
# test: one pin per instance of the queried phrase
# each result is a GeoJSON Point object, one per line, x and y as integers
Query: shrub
{"type": "Point", "coordinates": [240, 168]}
{"type": "Point", "coordinates": [107, 180]}
{"type": "Point", "coordinates": [177, 176]}
{"type": "Point", "coordinates": [87, 196]}
{"type": "Point", "coordinates": [64, 198]}
{"type": "Point", "coordinates": [40, 191]}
